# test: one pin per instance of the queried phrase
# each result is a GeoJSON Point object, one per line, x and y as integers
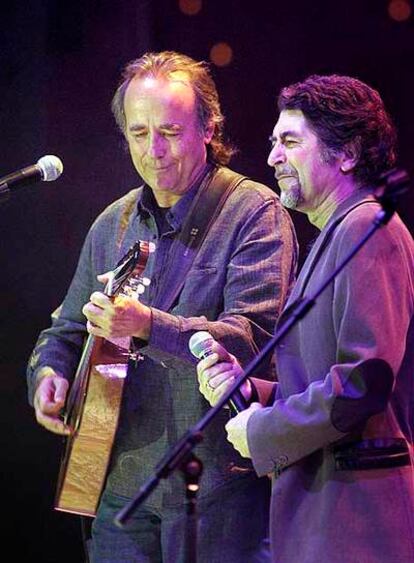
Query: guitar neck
{"type": "Point", "coordinates": [80, 380]}
{"type": "Point", "coordinates": [132, 264]}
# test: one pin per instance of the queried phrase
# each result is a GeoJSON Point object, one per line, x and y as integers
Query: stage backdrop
{"type": "Point", "coordinates": [59, 65]}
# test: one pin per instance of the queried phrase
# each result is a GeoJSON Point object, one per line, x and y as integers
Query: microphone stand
{"type": "Point", "coordinates": [393, 183]}
{"type": "Point", "coordinates": [4, 192]}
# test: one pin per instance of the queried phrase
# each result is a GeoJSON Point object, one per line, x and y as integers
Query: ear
{"type": "Point", "coordinates": [208, 132]}
{"type": "Point", "coordinates": [350, 155]}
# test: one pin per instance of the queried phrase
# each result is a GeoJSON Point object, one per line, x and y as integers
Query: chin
{"type": "Point", "coordinates": [290, 199]}
{"type": "Point", "coordinates": [162, 188]}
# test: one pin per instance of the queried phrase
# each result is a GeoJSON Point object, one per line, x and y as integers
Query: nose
{"type": "Point", "coordinates": [277, 154]}
{"type": "Point", "coordinates": [156, 145]}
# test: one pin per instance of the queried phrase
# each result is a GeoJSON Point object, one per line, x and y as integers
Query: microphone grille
{"type": "Point", "coordinates": [51, 167]}
{"type": "Point", "coordinates": [198, 343]}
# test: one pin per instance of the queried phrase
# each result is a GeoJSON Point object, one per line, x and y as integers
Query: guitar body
{"type": "Point", "coordinates": [88, 450]}
{"type": "Point", "coordinates": [92, 414]}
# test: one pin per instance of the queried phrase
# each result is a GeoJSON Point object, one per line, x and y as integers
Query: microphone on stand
{"type": "Point", "coordinates": [47, 169]}
{"type": "Point", "coordinates": [200, 345]}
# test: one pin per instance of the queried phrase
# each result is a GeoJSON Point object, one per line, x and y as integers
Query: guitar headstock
{"type": "Point", "coordinates": [132, 265]}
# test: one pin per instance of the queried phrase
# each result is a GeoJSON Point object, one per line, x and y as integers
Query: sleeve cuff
{"type": "Point", "coordinates": [164, 330]}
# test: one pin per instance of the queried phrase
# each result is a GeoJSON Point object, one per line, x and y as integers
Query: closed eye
{"type": "Point", "coordinates": [170, 133]}
{"type": "Point", "coordinates": [170, 130]}
{"type": "Point", "coordinates": [290, 142]}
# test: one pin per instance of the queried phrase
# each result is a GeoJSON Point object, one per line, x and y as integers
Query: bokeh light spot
{"type": "Point", "coordinates": [221, 54]}
{"type": "Point", "coordinates": [190, 7]}
{"type": "Point", "coordinates": [399, 10]}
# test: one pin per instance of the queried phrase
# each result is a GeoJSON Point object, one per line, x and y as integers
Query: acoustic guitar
{"type": "Point", "coordinates": [93, 404]}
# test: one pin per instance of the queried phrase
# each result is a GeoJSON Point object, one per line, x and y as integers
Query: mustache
{"type": "Point", "coordinates": [284, 171]}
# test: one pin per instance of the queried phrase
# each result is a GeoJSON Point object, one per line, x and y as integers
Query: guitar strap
{"type": "Point", "coordinates": [206, 206]}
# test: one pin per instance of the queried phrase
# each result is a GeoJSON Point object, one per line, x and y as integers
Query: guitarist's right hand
{"type": "Point", "coordinates": [49, 399]}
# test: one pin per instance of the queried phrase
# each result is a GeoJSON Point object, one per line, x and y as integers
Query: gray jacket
{"type": "Point", "coordinates": [235, 290]}
{"type": "Point", "coordinates": [346, 376]}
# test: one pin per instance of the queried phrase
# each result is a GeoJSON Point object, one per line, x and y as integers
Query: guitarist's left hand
{"type": "Point", "coordinates": [119, 317]}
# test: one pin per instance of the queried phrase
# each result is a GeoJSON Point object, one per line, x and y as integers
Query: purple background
{"type": "Point", "coordinates": [59, 65]}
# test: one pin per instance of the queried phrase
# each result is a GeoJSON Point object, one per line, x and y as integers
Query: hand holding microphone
{"type": "Point", "coordinates": [217, 370]}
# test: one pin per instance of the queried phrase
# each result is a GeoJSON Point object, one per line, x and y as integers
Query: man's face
{"type": "Point", "coordinates": [165, 140]}
{"type": "Point", "coordinates": [303, 170]}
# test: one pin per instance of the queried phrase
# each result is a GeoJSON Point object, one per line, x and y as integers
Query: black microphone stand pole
{"type": "Point", "coordinates": [180, 455]}
{"type": "Point", "coordinates": [4, 192]}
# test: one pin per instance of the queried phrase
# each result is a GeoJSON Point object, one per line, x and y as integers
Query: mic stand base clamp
{"type": "Point", "coordinates": [192, 469]}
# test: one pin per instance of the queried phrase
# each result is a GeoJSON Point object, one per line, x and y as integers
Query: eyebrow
{"type": "Point", "coordinates": [283, 135]}
{"type": "Point", "coordinates": [136, 127]}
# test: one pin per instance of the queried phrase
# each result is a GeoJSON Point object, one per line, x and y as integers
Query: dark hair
{"type": "Point", "coordinates": [164, 64]}
{"type": "Point", "coordinates": [345, 112]}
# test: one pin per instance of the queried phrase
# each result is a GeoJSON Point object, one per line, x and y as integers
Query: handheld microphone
{"type": "Point", "coordinates": [200, 345]}
{"type": "Point", "coordinates": [47, 169]}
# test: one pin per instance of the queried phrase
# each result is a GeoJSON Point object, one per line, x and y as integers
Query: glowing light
{"type": "Point", "coordinates": [149, 82]}
{"type": "Point", "coordinates": [190, 7]}
{"type": "Point", "coordinates": [221, 54]}
{"type": "Point", "coordinates": [192, 487]}
{"type": "Point", "coordinates": [399, 10]}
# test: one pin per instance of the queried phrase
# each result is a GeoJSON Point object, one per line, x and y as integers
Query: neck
{"type": "Point", "coordinates": [168, 198]}
{"type": "Point", "coordinates": [330, 203]}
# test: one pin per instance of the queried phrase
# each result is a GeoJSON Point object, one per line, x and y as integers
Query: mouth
{"type": "Point", "coordinates": [159, 169]}
{"type": "Point", "coordinates": [285, 177]}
